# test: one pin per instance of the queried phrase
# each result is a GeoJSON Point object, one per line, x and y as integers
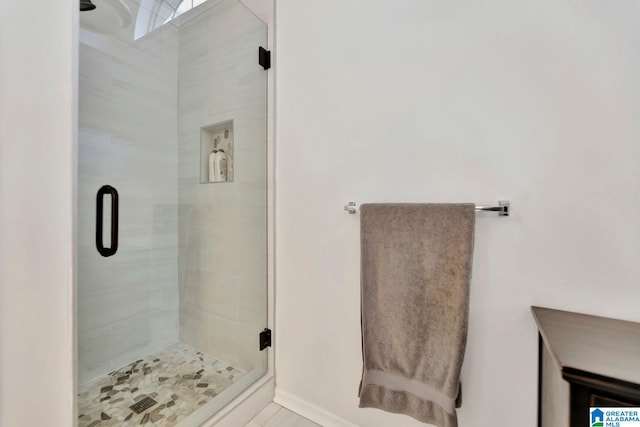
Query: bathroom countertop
{"type": "Point", "coordinates": [585, 345]}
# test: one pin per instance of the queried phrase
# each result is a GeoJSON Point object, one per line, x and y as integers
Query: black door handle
{"type": "Point", "coordinates": [107, 189]}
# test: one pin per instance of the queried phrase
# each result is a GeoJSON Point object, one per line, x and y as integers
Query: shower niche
{"type": "Point", "coordinates": [216, 153]}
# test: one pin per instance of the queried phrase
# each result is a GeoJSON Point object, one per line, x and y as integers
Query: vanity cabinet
{"type": "Point", "coordinates": [584, 361]}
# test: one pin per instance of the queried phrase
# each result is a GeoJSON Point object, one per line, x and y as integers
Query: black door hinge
{"type": "Point", "coordinates": [264, 57]}
{"type": "Point", "coordinates": [265, 339]}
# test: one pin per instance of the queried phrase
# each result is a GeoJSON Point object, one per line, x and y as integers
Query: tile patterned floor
{"type": "Point", "coordinates": [179, 379]}
{"type": "Point", "coordinates": [274, 415]}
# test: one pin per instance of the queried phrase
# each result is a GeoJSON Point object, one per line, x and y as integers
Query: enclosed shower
{"type": "Point", "coordinates": [172, 209]}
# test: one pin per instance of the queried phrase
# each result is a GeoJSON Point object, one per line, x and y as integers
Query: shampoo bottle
{"type": "Point", "coordinates": [213, 173]}
{"type": "Point", "coordinates": [221, 165]}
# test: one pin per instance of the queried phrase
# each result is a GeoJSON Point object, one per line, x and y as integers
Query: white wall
{"type": "Point", "coordinates": [37, 132]}
{"type": "Point", "coordinates": [428, 101]}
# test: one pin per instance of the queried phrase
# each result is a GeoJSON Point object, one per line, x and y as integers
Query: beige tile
{"type": "Point", "coordinates": [252, 302]}
{"type": "Point", "coordinates": [286, 418]}
{"type": "Point", "coordinates": [222, 342]}
{"type": "Point", "coordinates": [194, 327]}
{"type": "Point", "coordinates": [267, 413]}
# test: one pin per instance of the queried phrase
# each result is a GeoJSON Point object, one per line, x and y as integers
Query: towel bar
{"type": "Point", "coordinates": [503, 208]}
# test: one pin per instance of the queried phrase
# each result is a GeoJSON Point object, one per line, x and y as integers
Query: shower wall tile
{"type": "Point", "coordinates": [234, 341]}
{"type": "Point", "coordinates": [194, 326]}
{"type": "Point", "coordinates": [128, 303]}
{"type": "Point", "coordinates": [95, 351]}
{"type": "Point", "coordinates": [222, 227]}
{"type": "Point", "coordinates": [255, 167]}
{"type": "Point", "coordinates": [94, 312]}
{"type": "Point", "coordinates": [221, 295]}
{"type": "Point", "coordinates": [223, 342]}
{"type": "Point", "coordinates": [143, 334]}
{"type": "Point", "coordinates": [252, 303]}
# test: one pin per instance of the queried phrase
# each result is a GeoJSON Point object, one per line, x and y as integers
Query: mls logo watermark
{"type": "Point", "coordinates": [614, 417]}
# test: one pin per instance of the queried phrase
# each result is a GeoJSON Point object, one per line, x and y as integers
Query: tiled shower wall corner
{"type": "Point", "coordinates": [128, 303]}
{"type": "Point", "coordinates": [222, 226]}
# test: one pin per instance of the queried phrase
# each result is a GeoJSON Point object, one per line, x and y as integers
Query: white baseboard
{"type": "Point", "coordinates": [310, 411]}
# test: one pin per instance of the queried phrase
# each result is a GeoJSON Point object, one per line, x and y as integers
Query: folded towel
{"type": "Point", "coordinates": [416, 267]}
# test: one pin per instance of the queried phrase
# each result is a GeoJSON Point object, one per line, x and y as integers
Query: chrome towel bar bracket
{"type": "Point", "coordinates": [352, 208]}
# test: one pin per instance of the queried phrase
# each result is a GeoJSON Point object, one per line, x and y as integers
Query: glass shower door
{"type": "Point", "coordinates": [172, 125]}
{"type": "Point", "coordinates": [222, 101]}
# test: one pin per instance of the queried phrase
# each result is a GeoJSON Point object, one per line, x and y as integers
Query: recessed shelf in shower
{"type": "Point", "coordinates": [216, 153]}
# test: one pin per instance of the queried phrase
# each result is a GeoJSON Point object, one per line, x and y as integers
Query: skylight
{"type": "Point", "coordinates": [155, 13]}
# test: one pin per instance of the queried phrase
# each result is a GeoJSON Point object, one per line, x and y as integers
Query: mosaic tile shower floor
{"type": "Point", "coordinates": [180, 379]}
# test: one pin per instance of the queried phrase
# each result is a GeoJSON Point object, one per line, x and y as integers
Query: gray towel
{"type": "Point", "coordinates": [416, 267]}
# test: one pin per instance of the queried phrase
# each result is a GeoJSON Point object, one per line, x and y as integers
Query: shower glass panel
{"type": "Point", "coordinates": [169, 319]}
